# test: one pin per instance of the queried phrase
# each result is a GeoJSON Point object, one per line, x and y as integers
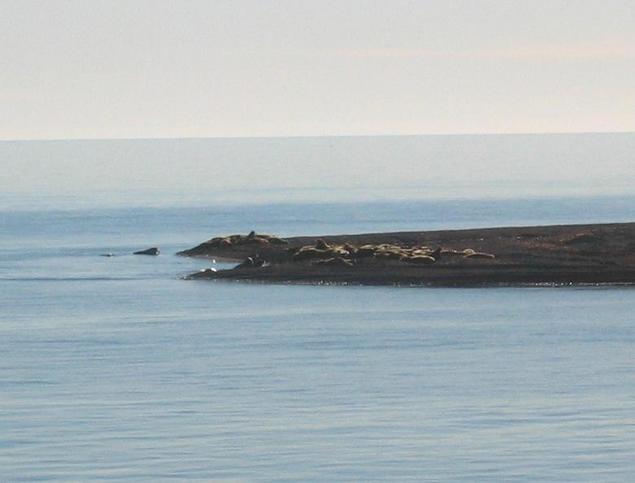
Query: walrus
{"type": "Point", "coordinates": [322, 245]}
{"type": "Point", "coordinates": [480, 256]}
{"type": "Point", "coordinates": [225, 243]}
{"type": "Point", "coordinates": [419, 259]}
{"type": "Point", "coordinates": [349, 248]}
{"type": "Point", "coordinates": [365, 251]}
{"type": "Point", "coordinates": [258, 240]}
{"type": "Point", "coordinates": [452, 252]}
{"type": "Point", "coordinates": [309, 253]}
{"type": "Point", "coordinates": [389, 254]}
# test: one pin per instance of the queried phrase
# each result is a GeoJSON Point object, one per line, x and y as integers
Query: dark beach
{"type": "Point", "coordinates": [509, 256]}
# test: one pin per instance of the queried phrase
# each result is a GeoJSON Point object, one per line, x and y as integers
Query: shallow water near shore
{"type": "Point", "coordinates": [114, 367]}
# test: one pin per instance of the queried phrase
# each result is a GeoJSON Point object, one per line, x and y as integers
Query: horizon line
{"type": "Point", "coordinates": [315, 136]}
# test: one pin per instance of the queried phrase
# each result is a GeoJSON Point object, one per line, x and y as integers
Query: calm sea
{"type": "Point", "coordinates": [115, 368]}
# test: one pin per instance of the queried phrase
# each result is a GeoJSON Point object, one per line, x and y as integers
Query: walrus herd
{"type": "Point", "coordinates": [563, 254]}
{"type": "Point", "coordinates": [257, 250]}
{"type": "Point", "coordinates": [347, 254]}
{"type": "Point", "coordinates": [261, 252]}
{"type": "Point", "coordinates": [252, 238]}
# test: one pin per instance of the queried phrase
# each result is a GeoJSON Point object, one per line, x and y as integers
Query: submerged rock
{"type": "Point", "coordinates": [149, 251]}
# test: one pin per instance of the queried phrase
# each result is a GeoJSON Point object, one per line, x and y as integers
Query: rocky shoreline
{"type": "Point", "coordinates": [541, 255]}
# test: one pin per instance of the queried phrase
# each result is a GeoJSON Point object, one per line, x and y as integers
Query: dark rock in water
{"type": "Point", "coordinates": [149, 251]}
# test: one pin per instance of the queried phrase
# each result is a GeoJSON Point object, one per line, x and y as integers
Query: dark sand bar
{"type": "Point", "coordinates": [537, 255]}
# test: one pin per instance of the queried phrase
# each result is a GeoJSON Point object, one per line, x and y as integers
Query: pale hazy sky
{"type": "Point", "coordinates": [152, 68]}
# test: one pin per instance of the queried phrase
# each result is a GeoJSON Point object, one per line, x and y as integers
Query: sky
{"type": "Point", "coordinates": [97, 69]}
{"type": "Point", "coordinates": [202, 171]}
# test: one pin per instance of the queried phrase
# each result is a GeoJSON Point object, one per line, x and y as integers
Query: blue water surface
{"type": "Point", "coordinates": [116, 368]}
